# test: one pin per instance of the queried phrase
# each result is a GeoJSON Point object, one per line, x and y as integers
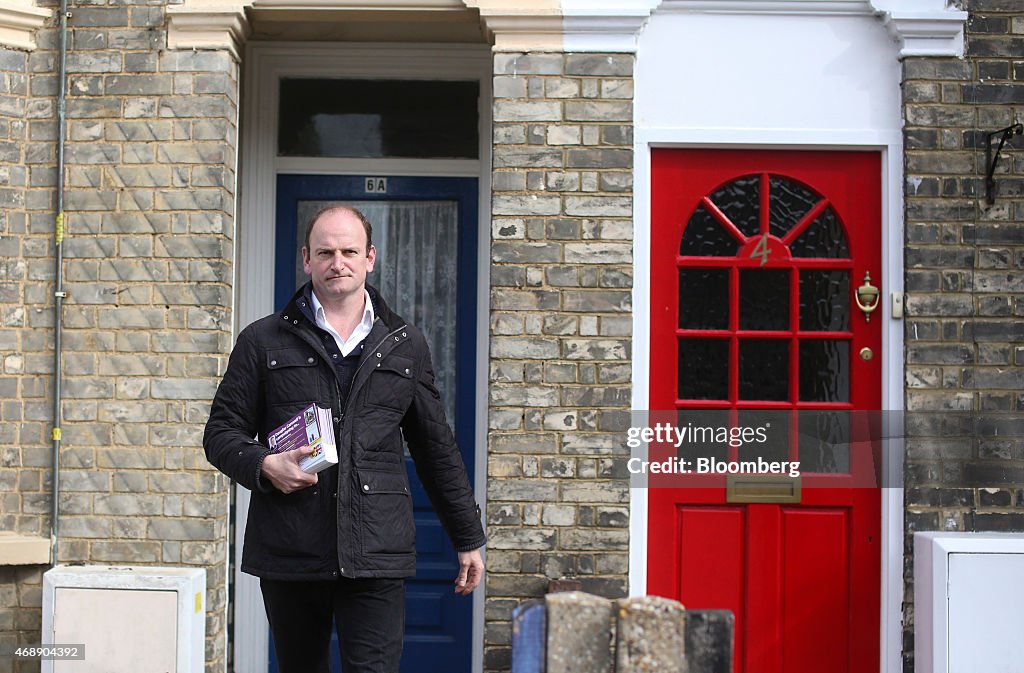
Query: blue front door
{"type": "Point", "coordinates": [426, 239]}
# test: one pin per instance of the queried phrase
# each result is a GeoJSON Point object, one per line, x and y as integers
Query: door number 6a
{"type": "Point", "coordinates": [376, 186]}
{"type": "Point", "coordinates": [761, 250]}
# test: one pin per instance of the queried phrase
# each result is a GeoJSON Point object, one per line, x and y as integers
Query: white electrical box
{"type": "Point", "coordinates": [968, 602]}
{"type": "Point", "coordinates": [129, 619]}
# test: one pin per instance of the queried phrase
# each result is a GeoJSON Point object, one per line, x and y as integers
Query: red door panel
{"type": "Point", "coordinates": [714, 542]}
{"type": "Point", "coordinates": [814, 629]}
{"type": "Point", "coordinates": [756, 259]}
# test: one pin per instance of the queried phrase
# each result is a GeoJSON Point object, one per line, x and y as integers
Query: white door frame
{"type": "Point", "coordinates": [265, 65]}
{"type": "Point", "coordinates": [890, 146]}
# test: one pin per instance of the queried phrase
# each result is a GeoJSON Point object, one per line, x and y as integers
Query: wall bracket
{"type": "Point", "coordinates": [991, 161]}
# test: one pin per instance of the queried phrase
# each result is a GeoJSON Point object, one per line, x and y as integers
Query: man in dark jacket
{"type": "Point", "coordinates": [335, 546]}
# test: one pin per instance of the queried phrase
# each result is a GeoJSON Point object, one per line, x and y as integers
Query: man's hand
{"type": "Point", "coordinates": [471, 571]}
{"type": "Point", "coordinates": [283, 471]}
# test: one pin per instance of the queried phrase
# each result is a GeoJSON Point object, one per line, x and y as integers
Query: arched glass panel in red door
{"type": "Point", "coordinates": [755, 260]}
{"type": "Point", "coordinates": [765, 290]}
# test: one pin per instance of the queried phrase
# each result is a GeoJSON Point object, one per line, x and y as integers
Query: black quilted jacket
{"type": "Point", "coordinates": [357, 520]}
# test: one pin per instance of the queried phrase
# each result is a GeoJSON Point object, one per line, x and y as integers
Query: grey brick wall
{"type": "Point", "coordinates": [560, 326]}
{"type": "Point", "coordinates": [24, 452]}
{"type": "Point", "coordinates": [151, 145]}
{"type": "Point", "coordinates": [964, 279]}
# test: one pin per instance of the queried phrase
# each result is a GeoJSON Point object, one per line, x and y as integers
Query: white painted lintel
{"type": "Point", "coordinates": [920, 27]}
{"type": "Point", "coordinates": [208, 26]}
{"type": "Point", "coordinates": [19, 21]}
{"type": "Point", "coordinates": [927, 34]}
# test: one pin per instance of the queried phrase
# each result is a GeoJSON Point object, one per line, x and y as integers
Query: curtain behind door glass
{"type": "Point", "coordinates": [415, 271]}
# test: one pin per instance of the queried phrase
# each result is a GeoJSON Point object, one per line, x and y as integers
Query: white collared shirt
{"type": "Point", "coordinates": [346, 346]}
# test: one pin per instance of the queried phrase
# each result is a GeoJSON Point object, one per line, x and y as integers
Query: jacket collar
{"type": "Point", "coordinates": [301, 303]}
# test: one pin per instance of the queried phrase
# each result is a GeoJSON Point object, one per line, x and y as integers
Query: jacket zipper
{"type": "Point", "coordinates": [355, 375]}
{"type": "Point", "coordinates": [348, 400]}
{"type": "Point", "coordinates": [379, 344]}
{"type": "Point", "coordinates": [348, 403]}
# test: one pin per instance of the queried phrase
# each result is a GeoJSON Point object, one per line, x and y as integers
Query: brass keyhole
{"type": "Point", "coordinates": [866, 354]}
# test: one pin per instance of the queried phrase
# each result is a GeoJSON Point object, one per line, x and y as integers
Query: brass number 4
{"type": "Point", "coordinates": [761, 250]}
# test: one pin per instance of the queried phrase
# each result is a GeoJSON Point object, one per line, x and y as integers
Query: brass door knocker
{"type": "Point", "coordinates": [867, 297]}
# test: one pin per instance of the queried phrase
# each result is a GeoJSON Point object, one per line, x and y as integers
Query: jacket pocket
{"type": "Point", "coordinates": [287, 526]}
{"type": "Point", "coordinates": [386, 512]}
{"type": "Point", "coordinates": [292, 376]}
{"type": "Point", "coordinates": [391, 384]}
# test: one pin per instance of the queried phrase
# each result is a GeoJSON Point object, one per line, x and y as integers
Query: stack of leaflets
{"type": "Point", "coordinates": [310, 427]}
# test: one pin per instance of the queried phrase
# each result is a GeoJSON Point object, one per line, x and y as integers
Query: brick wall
{"type": "Point", "coordinates": [964, 278]}
{"type": "Point", "coordinates": [24, 449]}
{"type": "Point", "coordinates": [148, 265]}
{"type": "Point", "coordinates": [560, 326]}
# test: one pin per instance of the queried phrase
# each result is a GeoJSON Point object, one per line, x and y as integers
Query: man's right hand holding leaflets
{"type": "Point", "coordinates": [283, 471]}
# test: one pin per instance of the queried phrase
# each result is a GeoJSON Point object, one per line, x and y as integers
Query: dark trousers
{"type": "Point", "coordinates": [369, 615]}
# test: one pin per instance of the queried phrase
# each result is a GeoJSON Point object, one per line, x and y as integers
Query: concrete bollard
{"type": "Point", "coordinates": [579, 633]}
{"type": "Point", "coordinates": [651, 636]}
{"type": "Point", "coordinates": [572, 632]}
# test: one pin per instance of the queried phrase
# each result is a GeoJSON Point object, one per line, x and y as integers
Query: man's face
{"type": "Point", "coordinates": [337, 260]}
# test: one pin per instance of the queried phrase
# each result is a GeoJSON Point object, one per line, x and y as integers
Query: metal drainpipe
{"type": "Point", "coordinates": [58, 293]}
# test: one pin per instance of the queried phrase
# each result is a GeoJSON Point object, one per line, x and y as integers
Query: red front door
{"type": "Point", "coordinates": [756, 260]}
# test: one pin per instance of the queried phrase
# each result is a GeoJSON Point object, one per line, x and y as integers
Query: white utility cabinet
{"type": "Point", "coordinates": [968, 602]}
{"type": "Point", "coordinates": [130, 619]}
